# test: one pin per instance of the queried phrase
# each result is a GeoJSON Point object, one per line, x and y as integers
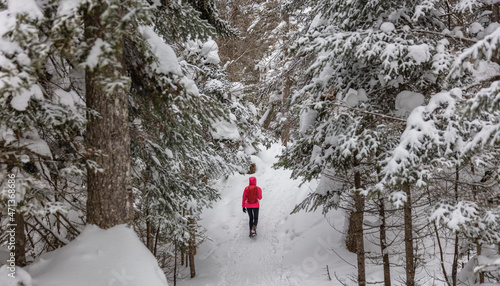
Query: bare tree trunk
{"type": "Point", "coordinates": [355, 241]}
{"type": "Point", "coordinates": [479, 252]}
{"type": "Point", "coordinates": [182, 256]}
{"type": "Point", "coordinates": [359, 202]}
{"type": "Point", "coordinates": [20, 240]}
{"type": "Point", "coordinates": [192, 245]}
{"type": "Point", "coordinates": [495, 15]}
{"type": "Point", "coordinates": [441, 255]}
{"type": "Point", "coordinates": [454, 266]}
{"type": "Point", "coordinates": [287, 84]}
{"type": "Point", "coordinates": [109, 199]}
{"type": "Point", "coordinates": [383, 242]}
{"type": "Point", "coordinates": [149, 234]}
{"type": "Point", "coordinates": [269, 117]}
{"type": "Point", "coordinates": [285, 132]}
{"type": "Point", "coordinates": [449, 14]}
{"type": "Point", "coordinates": [156, 240]}
{"type": "Point", "coordinates": [410, 264]}
{"type": "Point", "coordinates": [359, 206]}
{"type": "Point", "coordinates": [175, 263]}
{"type": "Point", "coordinates": [350, 241]}
{"type": "Point", "coordinates": [191, 263]}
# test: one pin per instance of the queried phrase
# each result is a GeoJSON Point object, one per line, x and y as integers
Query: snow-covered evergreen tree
{"type": "Point", "coordinates": [42, 123]}
{"type": "Point", "coordinates": [371, 63]}
{"type": "Point", "coordinates": [441, 143]}
{"type": "Point", "coordinates": [43, 115]}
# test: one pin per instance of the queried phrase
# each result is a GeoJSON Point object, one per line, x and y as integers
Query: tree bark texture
{"type": "Point", "coordinates": [109, 200]}
{"type": "Point", "coordinates": [454, 267]}
{"type": "Point", "coordinates": [480, 252]}
{"type": "Point", "coordinates": [410, 264]}
{"type": "Point", "coordinates": [269, 117]}
{"type": "Point", "coordinates": [149, 236]}
{"type": "Point", "coordinates": [383, 243]}
{"type": "Point", "coordinates": [20, 242]}
{"type": "Point", "coordinates": [192, 268]}
{"type": "Point", "coordinates": [192, 244]}
{"type": "Point", "coordinates": [359, 206]}
{"type": "Point", "coordinates": [354, 239]}
{"type": "Point", "coordinates": [350, 242]}
{"type": "Point", "coordinates": [495, 15]}
{"type": "Point", "coordinates": [175, 264]}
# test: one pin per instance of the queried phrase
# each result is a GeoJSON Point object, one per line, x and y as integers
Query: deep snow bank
{"type": "Point", "coordinates": [96, 257]}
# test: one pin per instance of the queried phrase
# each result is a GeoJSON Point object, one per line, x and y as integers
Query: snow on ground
{"type": "Point", "coordinates": [113, 257]}
{"type": "Point", "coordinates": [288, 250]}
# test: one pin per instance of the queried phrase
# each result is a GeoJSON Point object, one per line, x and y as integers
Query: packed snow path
{"type": "Point", "coordinates": [257, 260]}
{"type": "Point", "coordinates": [289, 250]}
{"type": "Point", "coordinates": [232, 257]}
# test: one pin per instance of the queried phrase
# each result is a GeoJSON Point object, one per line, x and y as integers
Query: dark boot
{"type": "Point", "coordinates": [254, 230]}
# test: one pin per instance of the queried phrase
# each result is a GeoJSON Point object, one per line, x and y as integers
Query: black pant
{"type": "Point", "coordinates": [253, 214]}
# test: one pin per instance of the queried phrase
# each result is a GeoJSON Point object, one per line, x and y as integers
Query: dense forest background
{"type": "Point", "coordinates": [124, 112]}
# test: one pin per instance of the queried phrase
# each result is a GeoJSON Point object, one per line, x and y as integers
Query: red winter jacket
{"type": "Point", "coordinates": [245, 204]}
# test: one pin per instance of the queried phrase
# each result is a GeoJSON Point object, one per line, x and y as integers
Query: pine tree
{"type": "Point", "coordinates": [440, 145]}
{"type": "Point", "coordinates": [41, 123]}
{"type": "Point", "coordinates": [94, 55]}
{"type": "Point", "coordinates": [109, 200]}
{"type": "Point", "coordinates": [365, 56]}
{"type": "Point", "coordinates": [174, 149]}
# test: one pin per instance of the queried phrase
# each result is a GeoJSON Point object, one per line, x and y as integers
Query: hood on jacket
{"type": "Point", "coordinates": [253, 181]}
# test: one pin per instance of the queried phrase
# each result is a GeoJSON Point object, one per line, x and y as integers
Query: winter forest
{"type": "Point", "coordinates": [129, 130]}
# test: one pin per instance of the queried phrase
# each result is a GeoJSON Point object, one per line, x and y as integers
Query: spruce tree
{"type": "Point", "coordinates": [364, 57]}
{"type": "Point", "coordinates": [77, 78]}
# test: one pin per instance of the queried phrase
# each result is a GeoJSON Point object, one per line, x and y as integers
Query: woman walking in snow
{"type": "Point", "coordinates": [251, 197]}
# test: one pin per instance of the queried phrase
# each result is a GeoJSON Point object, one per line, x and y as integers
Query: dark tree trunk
{"type": "Point", "coordinates": [454, 266]}
{"type": "Point", "coordinates": [155, 250]}
{"type": "Point", "coordinates": [192, 268]}
{"type": "Point", "coordinates": [359, 206]}
{"type": "Point", "coordinates": [359, 202]}
{"type": "Point", "coordinates": [441, 255]}
{"type": "Point", "coordinates": [480, 252]}
{"type": "Point", "coordinates": [183, 254]}
{"type": "Point", "coordinates": [20, 251]}
{"type": "Point", "coordinates": [192, 245]}
{"type": "Point", "coordinates": [269, 117]}
{"type": "Point", "coordinates": [410, 264]}
{"type": "Point", "coordinates": [350, 241]}
{"type": "Point", "coordinates": [109, 200]}
{"type": "Point", "coordinates": [149, 235]}
{"type": "Point", "coordinates": [383, 243]}
{"type": "Point", "coordinates": [287, 84]}
{"type": "Point", "coordinates": [355, 241]}
{"type": "Point", "coordinates": [495, 15]}
{"type": "Point", "coordinates": [175, 264]}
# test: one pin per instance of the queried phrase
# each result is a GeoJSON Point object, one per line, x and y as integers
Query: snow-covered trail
{"type": "Point", "coordinates": [289, 250]}
{"type": "Point", "coordinates": [258, 260]}
{"type": "Point", "coordinates": [233, 258]}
